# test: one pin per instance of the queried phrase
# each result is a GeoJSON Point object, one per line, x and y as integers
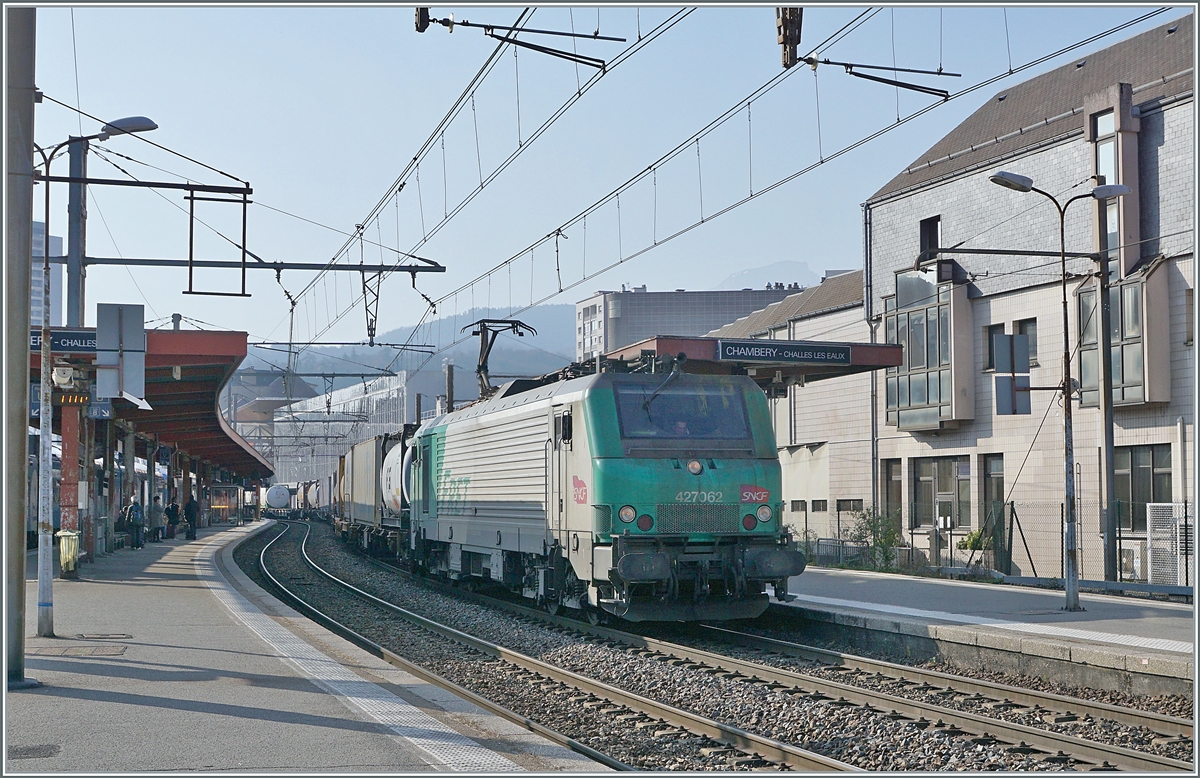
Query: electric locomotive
{"type": "Point", "coordinates": [649, 497]}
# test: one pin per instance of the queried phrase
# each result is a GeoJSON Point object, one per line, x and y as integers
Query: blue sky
{"type": "Point", "coordinates": [321, 109]}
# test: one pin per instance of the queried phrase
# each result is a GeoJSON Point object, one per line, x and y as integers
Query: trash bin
{"type": "Point", "coordinates": [68, 553]}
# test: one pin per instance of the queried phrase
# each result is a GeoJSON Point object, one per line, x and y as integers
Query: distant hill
{"type": "Point", "coordinates": [786, 272]}
{"type": "Point", "coordinates": [552, 348]}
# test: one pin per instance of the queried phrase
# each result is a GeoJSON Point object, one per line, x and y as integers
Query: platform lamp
{"type": "Point", "coordinates": [1020, 183]}
{"type": "Point", "coordinates": [128, 124]}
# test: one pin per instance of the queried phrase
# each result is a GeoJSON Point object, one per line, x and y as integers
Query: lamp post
{"type": "Point", "coordinates": [1021, 183]}
{"type": "Point", "coordinates": [45, 413]}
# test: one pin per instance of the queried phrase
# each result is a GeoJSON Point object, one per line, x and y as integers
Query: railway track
{"type": "Point", "coordinates": [717, 743]}
{"type": "Point", "coordinates": [1171, 727]}
{"type": "Point", "coordinates": [984, 727]}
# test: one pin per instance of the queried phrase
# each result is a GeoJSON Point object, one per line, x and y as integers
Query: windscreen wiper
{"type": "Point", "coordinates": [676, 369]}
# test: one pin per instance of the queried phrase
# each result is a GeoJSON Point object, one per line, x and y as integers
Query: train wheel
{"type": "Point", "coordinates": [594, 615]}
{"type": "Point", "coordinates": [552, 606]}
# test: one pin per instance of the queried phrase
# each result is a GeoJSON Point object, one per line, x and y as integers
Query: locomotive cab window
{"type": "Point", "coordinates": [680, 409]}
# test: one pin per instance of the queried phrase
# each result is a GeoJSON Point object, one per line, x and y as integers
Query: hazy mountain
{"type": "Point", "coordinates": [551, 348]}
{"type": "Point", "coordinates": [786, 272]}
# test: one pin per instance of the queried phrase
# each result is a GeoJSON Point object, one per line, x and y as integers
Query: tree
{"type": "Point", "coordinates": [879, 535]}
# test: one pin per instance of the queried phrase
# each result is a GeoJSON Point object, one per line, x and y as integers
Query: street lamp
{"type": "Point", "coordinates": [1020, 183]}
{"type": "Point", "coordinates": [45, 413]}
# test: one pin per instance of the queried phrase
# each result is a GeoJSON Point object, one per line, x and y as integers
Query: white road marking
{"type": "Point", "coordinates": [1160, 644]}
{"type": "Point", "coordinates": [445, 747]}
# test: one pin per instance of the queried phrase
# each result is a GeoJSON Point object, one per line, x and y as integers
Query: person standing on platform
{"type": "Point", "coordinates": [172, 514]}
{"type": "Point", "coordinates": [137, 523]}
{"type": "Point", "coordinates": [191, 512]}
{"type": "Point", "coordinates": [155, 524]}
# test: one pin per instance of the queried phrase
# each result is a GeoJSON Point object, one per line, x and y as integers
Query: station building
{"type": "Point", "coordinates": [923, 442]}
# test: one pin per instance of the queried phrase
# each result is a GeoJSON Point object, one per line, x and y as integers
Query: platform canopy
{"type": "Point", "coordinates": [185, 373]}
{"type": "Point", "coordinates": [766, 361]}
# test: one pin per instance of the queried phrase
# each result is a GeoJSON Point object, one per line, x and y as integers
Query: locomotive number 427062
{"type": "Point", "coordinates": [698, 497]}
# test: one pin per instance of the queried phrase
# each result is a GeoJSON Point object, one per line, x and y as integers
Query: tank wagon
{"type": "Point", "coordinates": [645, 496]}
{"type": "Point", "coordinates": [366, 500]}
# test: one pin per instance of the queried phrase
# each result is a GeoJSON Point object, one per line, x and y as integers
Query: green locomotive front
{"type": "Point", "coordinates": [648, 497]}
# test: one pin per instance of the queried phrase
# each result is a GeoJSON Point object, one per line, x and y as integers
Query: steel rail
{"type": "Point", "coordinates": [425, 675]}
{"type": "Point", "coordinates": [1045, 742]}
{"type": "Point", "coordinates": [1155, 721]}
{"type": "Point", "coordinates": [771, 750]}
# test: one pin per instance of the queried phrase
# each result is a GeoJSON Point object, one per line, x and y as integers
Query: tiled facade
{"type": "Point", "coordinates": [827, 430]}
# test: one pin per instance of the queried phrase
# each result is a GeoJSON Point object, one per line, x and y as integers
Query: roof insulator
{"type": "Point", "coordinates": [1081, 63]}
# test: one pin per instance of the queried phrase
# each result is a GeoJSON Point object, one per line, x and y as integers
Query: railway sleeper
{"type": "Point", "coordinates": [1170, 740]}
{"type": "Point", "coordinates": [1060, 718]}
{"type": "Point", "coordinates": [670, 732]}
{"type": "Point", "coordinates": [1064, 758]}
{"type": "Point", "coordinates": [718, 751]}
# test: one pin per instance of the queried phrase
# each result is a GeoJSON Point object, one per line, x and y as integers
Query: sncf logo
{"type": "Point", "coordinates": [751, 493]}
{"type": "Point", "coordinates": [580, 489]}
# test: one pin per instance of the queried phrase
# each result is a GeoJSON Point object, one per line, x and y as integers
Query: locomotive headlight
{"type": "Point", "coordinates": [763, 513]}
{"type": "Point", "coordinates": [694, 467]}
{"type": "Point", "coordinates": [627, 513]}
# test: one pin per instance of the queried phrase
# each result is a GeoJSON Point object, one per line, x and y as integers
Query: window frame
{"type": "Point", "coordinates": [990, 331]}
{"type": "Point", "coordinates": [935, 331]}
{"type": "Point", "coordinates": [1128, 342]}
{"type": "Point", "coordinates": [1019, 328]}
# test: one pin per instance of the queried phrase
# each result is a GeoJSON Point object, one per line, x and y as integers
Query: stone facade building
{"type": "Point", "coordinates": [924, 443]}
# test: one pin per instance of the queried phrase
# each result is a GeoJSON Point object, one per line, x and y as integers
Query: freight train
{"type": "Point", "coordinates": [648, 497]}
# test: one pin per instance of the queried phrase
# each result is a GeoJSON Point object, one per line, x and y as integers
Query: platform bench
{"type": "Point", "coordinates": [120, 540]}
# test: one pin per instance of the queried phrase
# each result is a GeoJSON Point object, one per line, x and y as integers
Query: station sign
{"type": "Point", "coordinates": [793, 352]}
{"type": "Point", "coordinates": [96, 409]}
{"type": "Point", "coordinates": [65, 341]}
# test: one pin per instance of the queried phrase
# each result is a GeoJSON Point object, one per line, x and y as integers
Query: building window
{"type": "Point", "coordinates": [941, 491]}
{"type": "Point", "coordinates": [919, 393]}
{"type": "Point", "coordinates": [1028, 328]}
{"type": "Point", "coordinates": [992, 507]}
{"type": "Point", "coordinates": [799, 506]}
{"type": "Point", "coordinates": [820, 506]}
{"type": "Point", "coordinates": [1189, 316]}
{"type": "Point", "coordinates": [989, 345]}
{"type": "Point", "coordinates": [931, 233]}
{"type": "Point", "coordinates": [1125, 338]}
{"type": "Point", "coordinates": [892, 489]}
{"type": "Point", "coordinates": [849, 506]}
{"type": "Point", "coordinates": [1106, 169]}
{"type": "Point", "coordinates": [1143, 475]}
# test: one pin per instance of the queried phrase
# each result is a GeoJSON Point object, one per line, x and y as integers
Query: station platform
{"type": "Point", "coordinates": [1131, 644]}
{"type": "Point", "coordinates": [168, 658]}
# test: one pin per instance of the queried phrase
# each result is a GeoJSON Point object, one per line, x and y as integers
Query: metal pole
{"type": "Point", "coordinates": [1071, 569]}
{"type": "Point", "coordinates": [1071, 584]}
{"type": "Point", "coordinates": [1106, 407]}
{"type": "Point", "coordinates": [19, 56]}
{"type": "Point", "coordinates": [76, 232]}
{"type": "Point", "coordinates": [45, 588]}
